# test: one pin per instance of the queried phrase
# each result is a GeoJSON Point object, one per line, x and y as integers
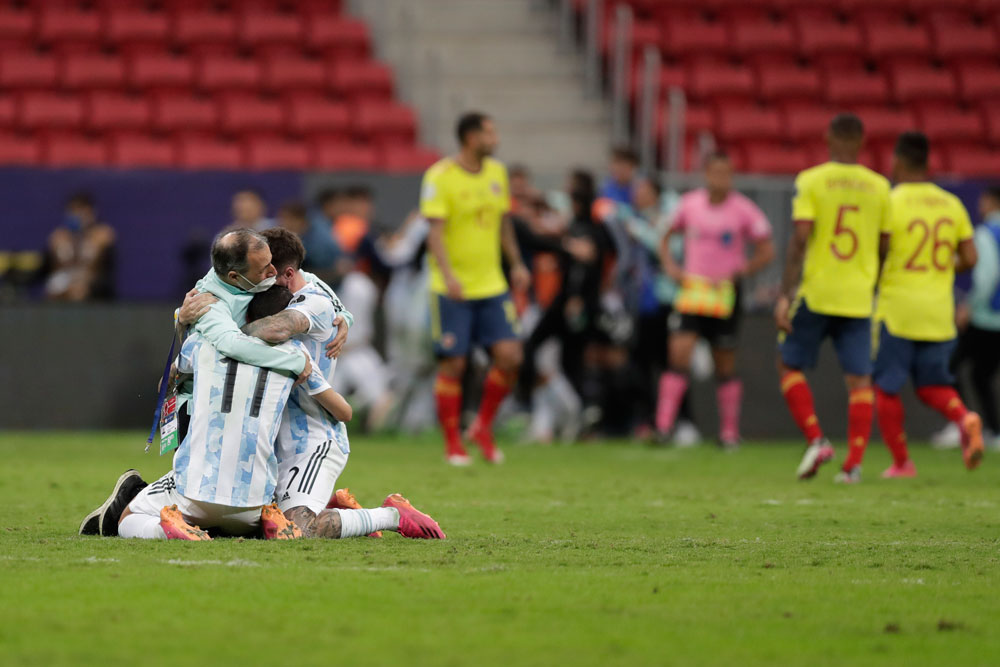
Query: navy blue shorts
{"type": "Point", "coordinates": [458, 325]}
{"type": "Point", "coordinates": [851, 336]}
{"type": "Point", "coordinates": [898, 359]}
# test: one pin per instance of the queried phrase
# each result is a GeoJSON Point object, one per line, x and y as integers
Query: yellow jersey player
{"type": "Point", "coordinates": [916, 308]}
{"type": "Point", "coordinates": [466, 200]}
{"type": "Point", "coordinates": [840, 209]}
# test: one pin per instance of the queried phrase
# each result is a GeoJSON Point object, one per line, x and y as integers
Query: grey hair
{"type": "Point", "coordinates": [230, 249]}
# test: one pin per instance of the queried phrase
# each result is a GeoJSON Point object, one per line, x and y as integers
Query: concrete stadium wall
{"type": "Point", "coordinates": [88, 367]}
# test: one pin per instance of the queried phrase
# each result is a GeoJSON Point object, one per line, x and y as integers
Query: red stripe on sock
{"type": "Point", "coordinates": [859, 425]}
{"type": "Point", "coordinates": [889, 409]}
{"type": "Point", "coordinates": [945, 400]}
{"type": "Point", "coordinates": [799, 398]}
{"type": "Point", "coordinates": [448, 396]}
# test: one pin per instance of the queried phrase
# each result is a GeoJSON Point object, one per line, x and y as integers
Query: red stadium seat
{"type": "Point", "coordinates": [827, 36]}
{"type": "Point", "coordinates": [768, 158]}
{"type": "Point", "coordinates": [93, 71]}
{"type": "Point", "coordinates": [763, 36]}
{"type": "Point", "coordinates": [141, 150]}
{"type": "Point", "coordinates": [74, 150]}
{"type": "Point", "coordinates": [365, 79]}
{"type": "Point", "coordinates": [116, 111]}
{"type": "Point", "coordinates": [223, 73]}
{"type": "Point", "coordinates": [894, 39]}
{"type": "Point", "coordinates": [27, 70]}
{"type": "Point", "coordinates": [131, 25]}
{"type": "Point", "coordinates": [950, 123]}
{"type": "Point", "coordinates": [241, 113]}
{"type": "Point", "coordinates": [973, 161]}
{"type": "Point", "coordinates": [161, 71]}
{"type": "Point", "coordinates": [258, 28]}
{"type": "Point", "coordinates": [43, 110]}
{"type": "Point", "coordinates": [682, 37]}
{"type": "Point", "coordinates": [16, 24]}
{"type": "Point", "coordinates": [644, 33]}
{"type": "Point", "coordinates": [342, 156]}
{"type": "Point", "coordinates": [172, 112]}
{"type": "Point", "coordinates": [384, 122]}
{"type": "Point", "coordinates": [708, 80]}
{"type": "Point", "coordinates": [885, 122]}
{"type": "Point", "coordinates": [16, 149]}
{"type": "Point", "coordinates": [288, 73]}
{"type": "Point", "coordinates": [789, 82]}
{"type": "Point", "coordinates": [855, 87]}
{"type": "Point", "coordinates": [64, 24]}
{"type": "Point", "coordinates": [737, 122]}
{"type": "Point", "coordinates": [8, 111]}
{"type": "Point", "coordinates": [198, 152]}
{"type": "Point", "coordinates": [806, 122]}
{"type": "Point", "coordinates": [319, 116]}
{"type": "Point", "coordinates": [337, 36]}
{"type": "Point", "coordinates": [408, 158]}
{"type": "Point", "coordinates": [992, 116]}
{"type": "Point", "coordinates": [275, 153]}
{"type": "Point", "coordinates": [204, 27]}
{"type": "Point", "coordinates": [962, 39]}
{"type": "Point", "coordinates": [979, 82]}
{"type": "Point", "coordinates": [912, 83]}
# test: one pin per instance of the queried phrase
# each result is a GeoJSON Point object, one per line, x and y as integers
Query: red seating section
{"type": "Point", "coordinates": [201, 84]}
{"type": "Point", "coordinates": [765, 76]}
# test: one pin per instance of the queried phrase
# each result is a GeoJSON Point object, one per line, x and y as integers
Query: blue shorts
{"type": "Point", "coordinates": [927, 362]}
{"type": "Point", "coordinates": [458, 325]}
{"type": "Point", "coordinates": [852, 339]}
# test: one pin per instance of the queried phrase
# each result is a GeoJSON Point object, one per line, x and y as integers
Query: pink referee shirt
{"type": "Point", "coordinates": [715, 236]}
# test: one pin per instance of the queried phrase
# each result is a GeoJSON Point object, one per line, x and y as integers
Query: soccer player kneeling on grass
{"type": "Point", "coordinates": [916, 311]}
{"type": "Point", "coordinates": [839, 210]}
{"type": "Point", "coordinates": [717, 225]}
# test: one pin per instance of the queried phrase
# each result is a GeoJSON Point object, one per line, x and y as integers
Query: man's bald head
{"type": "Point", "coordinates": [242, 258]}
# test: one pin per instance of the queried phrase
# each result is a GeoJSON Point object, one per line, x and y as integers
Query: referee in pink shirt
{"type": "Point", "coordinates": [717, 225]}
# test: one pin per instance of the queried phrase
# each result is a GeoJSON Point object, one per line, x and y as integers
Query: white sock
{"type": "Point", "coordinates": [141, 525]}
{"type": "Point", "coordinates": [357, 523]}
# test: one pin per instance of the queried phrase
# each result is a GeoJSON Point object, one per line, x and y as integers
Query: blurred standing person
{"type": "Point", "coordinates": [466, 201]}
{"type": "Point", "coordinates": [80, 255]}
{"type": "Point", "coordinates": [718, 225]}
{"type": "Point", "coordinates": [979, 317]}
{"type": "Point", "coordinates": [292, 216]}
{"type": "Point", "coordinates": [250, 211]}
{"type": "Point", "coordinates": [322, 252]}
{"type": "Point", "coordinates": [623, 168]}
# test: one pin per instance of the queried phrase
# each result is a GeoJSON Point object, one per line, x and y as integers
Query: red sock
{"type": "Point", "coordinates": [859, 425]}
{"type": "Point", "coordinates": [448, 395]}
{"type": "Point", "coordinates": [889, 409]}
{"type": "Point", "coordinates": [495, 389]}
{"type": "Point", "coordinates": [799, 398]}
{"type": "Point", "coordinates": [945, 400]}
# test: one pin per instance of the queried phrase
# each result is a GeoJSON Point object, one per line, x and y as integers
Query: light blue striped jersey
{"type": "Point", "coordinates": [227, 456]}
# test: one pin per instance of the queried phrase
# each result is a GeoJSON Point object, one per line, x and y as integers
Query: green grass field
{"type": "Point", "coordinates": [610, 554]}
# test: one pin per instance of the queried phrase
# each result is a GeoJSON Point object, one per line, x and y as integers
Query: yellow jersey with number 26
{"type": "Point", "coordinates": [848, 206]}
{"type": "Point", "coordinates": [915, 297]}
{"type": "Point", "coordinates": [472, 207]}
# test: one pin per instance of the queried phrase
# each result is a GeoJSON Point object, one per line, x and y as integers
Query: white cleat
{"type": "Point", "coordinates": [949, 437]}
{"type": "Point", "coordinates": [686, 435]}
{"type": "Point", "coordinates": [852, 476]}
{"type": "Point", "coordinates": [819, 452]}
{"type": "Point", "coordinates": [459, 460]}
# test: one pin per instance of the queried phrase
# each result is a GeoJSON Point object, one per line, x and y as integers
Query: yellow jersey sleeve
{"type": "Point", "coordinates": [803, 205]}
{"type": "Point", "coordinates": [433, 196]}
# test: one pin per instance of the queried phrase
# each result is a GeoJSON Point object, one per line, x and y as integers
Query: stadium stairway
{"type": "Point", "coordinates": [501, 58]}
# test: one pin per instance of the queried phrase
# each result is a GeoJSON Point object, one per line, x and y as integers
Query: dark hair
{"type": "Point", "coordinates": [847, 126]}
{"type": "Point", "coordinates": [229, 250]}
{"type": "Point", "coordinates": [326, 195]}
{"type": "Point", "coordinates": [294, 209]}
{"type": "Point", "coordinates": [358, 192]}
{"type": "Point", "coordinates": [582, 192]}
{"type": "Point", "coordinates": [286, 248]}
{"type": "Point", "coordinates": [518, 170]}
{"type": "Point", "coordinates": [625, 154]}
{"type": "Point", "coordinates": [81, 198]}
{"type": "Point", "coordinates": [993, 191]}
{"type": "Point", "coordinates": [270, 302]}
{"type": "Point", "coordinates": [654, 183]}
{"type": "Point", "coordinates": [471, 121]}
{"type": "Point", "coordinates": [913, 148]}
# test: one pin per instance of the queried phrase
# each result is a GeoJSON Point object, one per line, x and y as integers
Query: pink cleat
{"type": "Point", "coordinates": [820, 451]}
{"type": "Point", "coordinates": [412, 522]}
{"type": "Point", "coordinates": [900, 471]}
{"type": "Point", "coordinates": [484, 438]}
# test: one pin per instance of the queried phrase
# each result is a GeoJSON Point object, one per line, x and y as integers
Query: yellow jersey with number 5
{"type": "Point", "coordinates": [848, 207]}
{"type": "Point", "coordinates": [472, 207]}
{"type": "Point", "coordinates": [915, 296]}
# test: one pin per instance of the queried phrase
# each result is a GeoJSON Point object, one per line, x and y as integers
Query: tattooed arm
{"type": "Point", "coordinates": [278, 328]}
{"type": "Point", "coordinates": [325, 524]}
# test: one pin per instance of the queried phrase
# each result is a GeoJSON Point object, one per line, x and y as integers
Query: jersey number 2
{"type": "Point", "coordinates": [843, 230]}
{"type": "Point", "coordinates": [918, 224]}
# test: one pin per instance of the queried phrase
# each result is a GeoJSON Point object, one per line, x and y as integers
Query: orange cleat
{"type": "Point", "coordinates": [276, 525]}
{"type": "Point", "coordinates": [972, 440]}
{"type": "Point", "coordinates": [343, 499]}
{"type": "Point", "coordinates": [173, 524]}
{"type": "Point", "coordinates": [413, 522]}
